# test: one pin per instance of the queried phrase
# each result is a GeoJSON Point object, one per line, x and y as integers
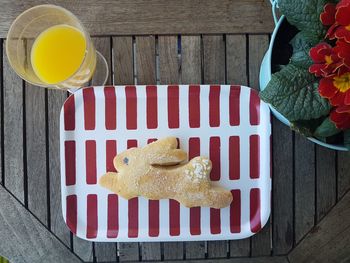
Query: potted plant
{"type": "Point", "coordinates": [305, 74]}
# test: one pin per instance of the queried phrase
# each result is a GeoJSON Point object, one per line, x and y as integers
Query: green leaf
{"type": "Point", "coordinates": [302, 43]}
{"type": "Point", "coordinates": [294, 93]}
{"type": "Point", "coordinates": [306, 127]}
{"type": "Point", "coordinates": [326, 129]}
{"type": "Point", "coordinates": [347, 139]}
{"type": "Point", "coordinates": [305, 15]}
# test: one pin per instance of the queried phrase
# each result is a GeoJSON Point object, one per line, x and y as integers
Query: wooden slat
{"type": "Point", "coordinates": [282, 188]}
{"type": "Point", "coordinates": [304, 186]}
{"type": "Point", "coordinates": [55, 100]}
{"type": "Point", "coordinates": [168, 60]}
{"type": "Point", "coordinates": [239, 260]}
{"type": "Point", "coordinates": [330, 240]}
{"type": "Point", "coordinates": [157, 16]}
{"type": "Point", "coordinates": [1, 111]}
{"type": "Point", "coordinates": [214, 73]}
{"type": "Point", "coordinates": [13, 131]}
{"type": "Point", "coordinates": [83, 249]}
{"type": "Point", "coordinates": [123, 60]}
{"type": "Point", "coordinates": [169, 74]}
{"type": "Point", "coordinates": [325, 181]}
{"type": "Point", "coordinates": [236, 72]}
{"type": "Point", "coordinates": [104, 252]}
{"type": "Point", "coordinates": [36, 151]}
{"type": "Point", "coordinates": [191, 64]}
{"type": "Point", "coordinates": [146, 74]}
{"type": "Point", "coordinates": [343, 173]}
{"type": "Point", "coordinates": [146, 60]}
{"type": "Point", "coordinates": [191, 73]}
{"type": "Point", "coordinates": [258, 45]}
{"type": "Point", "coordinates": [236, 59]}
{"type": "Point", "coordinates": [103, 45]}
{"type": "Point", "coordinates": [24, 238]}
{"type": "Point", "coordinates": [124, 74]}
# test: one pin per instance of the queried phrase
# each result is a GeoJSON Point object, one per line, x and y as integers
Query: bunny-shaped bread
{"type": "Point", "coordinates": [156, 172]}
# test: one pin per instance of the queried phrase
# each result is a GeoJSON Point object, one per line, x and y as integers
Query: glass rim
{"type": "Point", "coordinates": [84, 31]}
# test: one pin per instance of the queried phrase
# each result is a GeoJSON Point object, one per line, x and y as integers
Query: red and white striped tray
{"type": "Point", "coordinates": [229, 124]}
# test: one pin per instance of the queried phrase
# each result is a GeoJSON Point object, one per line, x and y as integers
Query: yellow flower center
{"type": "Point", "coordinates": [342, 83]}
{"type": "Point", "coordinates": [328, 60]}
{"type": "Point", "coordinates": [347, 27]}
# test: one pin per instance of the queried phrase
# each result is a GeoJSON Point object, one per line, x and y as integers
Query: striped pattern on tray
{"type": "Point", "coordinates": [227, 123]}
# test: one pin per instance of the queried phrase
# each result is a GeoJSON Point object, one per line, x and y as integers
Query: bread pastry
{"type": "Point", "coordinates": [157, 172]}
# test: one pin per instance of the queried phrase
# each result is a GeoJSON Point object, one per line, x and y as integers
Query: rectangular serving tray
{"type": "Point", "coordinates": [229, 124]}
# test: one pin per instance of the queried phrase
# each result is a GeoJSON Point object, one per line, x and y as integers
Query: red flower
{"type": "Point", "coordinates": [326, 60]}
{"type": "Point", "coordinates": [336, 88]}
{"type": "Point", "coordinates": [342, 49]}
{"type": "Point", "coordinates": [341, 27]}
{"type": "Point", "coordinates": [328, 15]}
{"type": "Point", "coordinates": [341, 117]}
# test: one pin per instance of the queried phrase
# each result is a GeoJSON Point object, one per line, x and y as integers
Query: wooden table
{"type": "Point", "coordinates": [164, 41]}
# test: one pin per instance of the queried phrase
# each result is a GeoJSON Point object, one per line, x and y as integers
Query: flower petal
{"type": "Point", "coordinates": [337, 99]}
{"type": "Point", "coordinates": [343, 108]}
{"type": "Point", "coordinates": [347, 98]}
{"type": "Point", "coordinates": [341, 120]}
{"type": "Point", "coordinates": [326, 88]}
{"type": "Point", "coordinates": [342, 33]}
{"type": "Point", "coordinates": [328, 15]}
{"type": "Point", "coordinates": [317, 69]}
{"type": "Point", "coordinates": [342, 15]}
{"type": "Point", "coordinates": [318, 52]}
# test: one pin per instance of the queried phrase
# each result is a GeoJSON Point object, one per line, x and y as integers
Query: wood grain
{"type": "Point", "coordinates": [103, 45]}
{"type": "Point", "coordinates": [83, 249]}
{"type": "Point", "coordinates": [330, 239]}
{"type": "Point", "coordinates": [25, 238]}
{"type": "Point", "coordinates": [214, 73]}
{"type": "Point", "coordinates": [236, 59]}
{"type": "Point", "coordinates": [168, 60]}
{"type": "Point", "coordinates": [128, 252]}
{"type": "Point", "coordinates": [239, 260]}
{"type": "Point", "coordinates": [150, 251]}
{"type": "Point", "coordinates": [146, 60]}
{"type": "Point", "coordinates": [55, 100]}
{"type": "Point", "coordinates": [258, 45]}
{"type": "Point", "coordinates": [169, 74]}
{"type": "Point", "coordinates": [191, 60]}
{"type": "Point", "coordinates": [304, 197]}
{"type": "Point", "coordinates": [36, 151]}
{"type": "Point", "coordinates": [191, 73]}
{"type": "Point", "coordinates": [325, 181]}
{"type": "Point", "coordinates": [125, 17]}
{"type": "Point", "coordinates": [124, 74]}
{"type": "Point", "coordinates": [236, 72]}
{"type": "Point", "coordinates": [343, 173]}
{"type": "Point", "coordinates": [1, 112]}
{"type": "Point", "coordinates": [123, 60]}
{"type": "Point", "coordinates": [282, 188]}
{"type": "Point", "coordinates": [214, 59]}
{"type": "Point", "coordinates": [13, 131]}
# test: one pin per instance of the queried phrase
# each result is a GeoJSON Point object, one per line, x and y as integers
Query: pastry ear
{"type": "Point", "coordinates": [164, 152]}
{"type": "Point", "coordinates": [167, 157]}
{"type": "Point", "coordinates": [161, 144]}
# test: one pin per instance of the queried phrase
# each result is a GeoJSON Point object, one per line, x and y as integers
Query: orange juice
{"type": "Point", "coordinates": [57, 53]}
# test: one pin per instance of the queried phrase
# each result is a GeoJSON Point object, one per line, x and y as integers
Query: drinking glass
{"type": "Point", "coordinates": [25, 30]}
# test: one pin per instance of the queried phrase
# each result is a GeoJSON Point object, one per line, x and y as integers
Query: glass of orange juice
{"type": "Point", "coordinates": [48, 46]}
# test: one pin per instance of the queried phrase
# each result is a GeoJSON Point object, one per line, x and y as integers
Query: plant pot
{"type": "Point", "coordinates": [266, 72]}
